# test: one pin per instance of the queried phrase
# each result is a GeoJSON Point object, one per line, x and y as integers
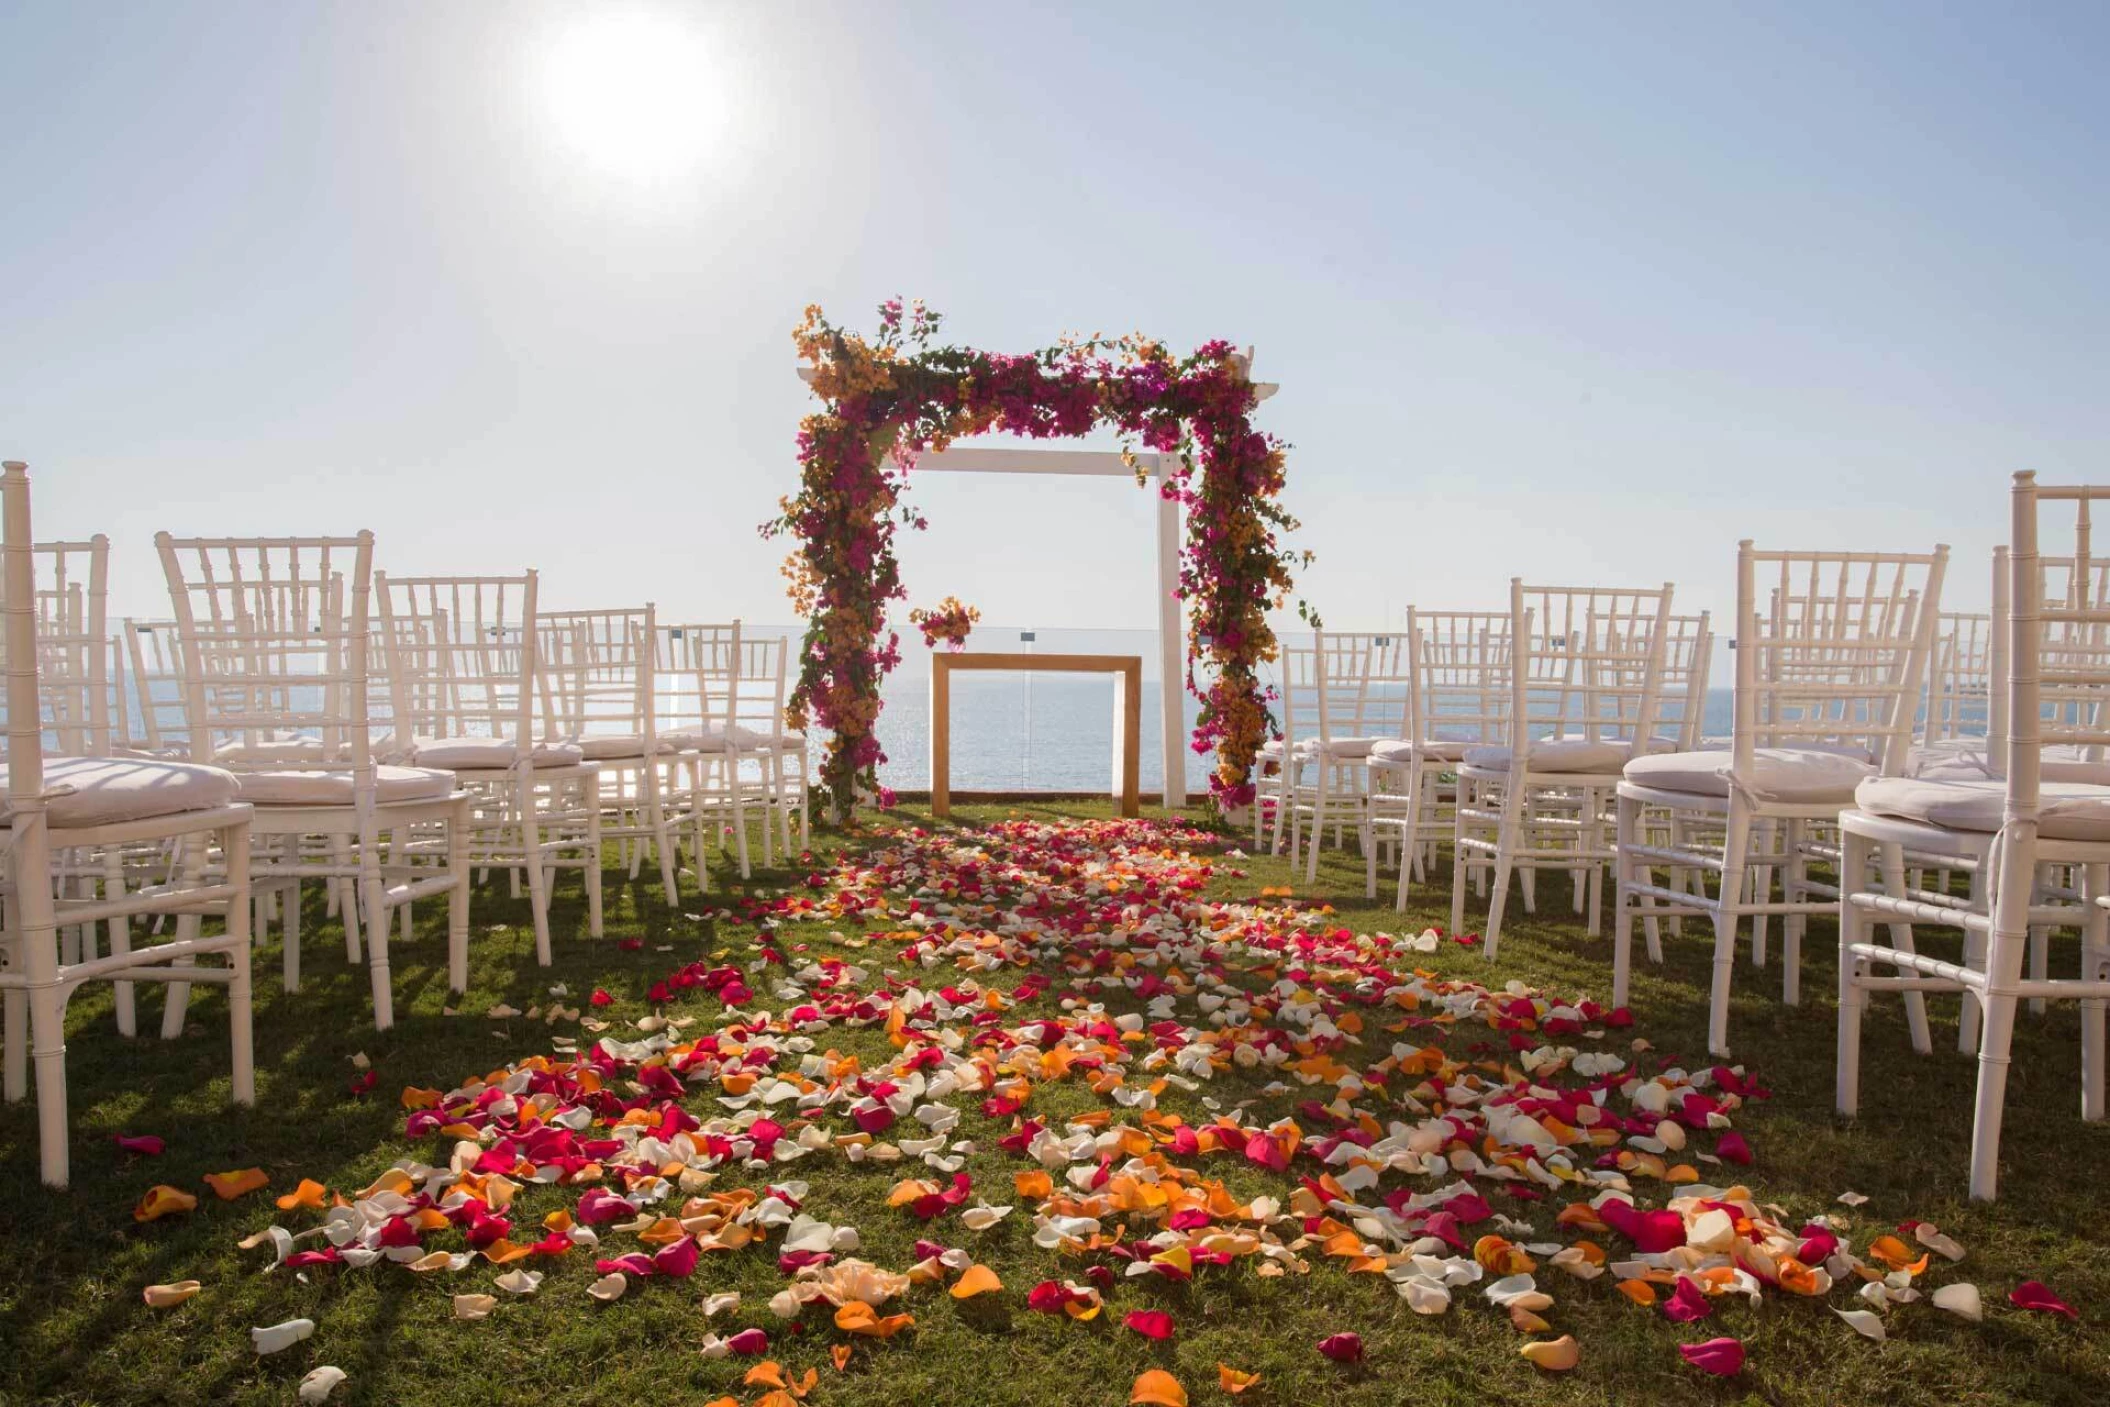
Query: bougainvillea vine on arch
{"type": "Point", "coordinates": [900, 394]}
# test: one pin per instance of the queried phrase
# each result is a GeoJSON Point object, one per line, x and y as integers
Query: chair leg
{"type": "Point", "coordinates": [377, 924]}
{"type": "Point", "coordinates": [1626, 825]}
{"type": "Point", "coordinates": [234, 844]}
{"type": "Point", "coordinates": [1794, 887]}
{"type": "Point", "coordinates": [1735, 845]}
{"type": "Point", "coordinates": [2095, 967]}
{"type": "Point", "coordinates": [1318, 822]}
{"type": "Point", "coordinates": [1974, 956]}
{"type": "Point", "coordinates": [176, 1000]}
{"type": "Point", "coordinates": [458, 899]}
{"type": "Point", "coordinates": [14, 1003]}
{"type": "Point", "coordinates": [1506, 843]}
{"type": "Point", "coordinates": [531, 861]}
{"type": "Point", "coordinates": [1409, 842]}
{"type": "Point", "coordinates": [1459, 862]}
{"type": "Point", "coordinates": [1893, 859]}
{"type": "Point", "coordinates": [1853, 873]}
{"type": "Point", "coordinates": [47, 1053]}
{"type": "Point", "coordinates": [592, 791]}
{"type": "Point", "coordinates": [1762, 888]}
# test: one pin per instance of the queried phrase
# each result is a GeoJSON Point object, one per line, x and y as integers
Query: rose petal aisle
{"type": "Point", "coordinates": [1033, 1073]}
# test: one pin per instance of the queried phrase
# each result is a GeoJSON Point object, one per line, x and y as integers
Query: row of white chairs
{"type": "Point", "coordinates": [1880, 752]}
{"type": "Point", "coordinates": [308, 718]}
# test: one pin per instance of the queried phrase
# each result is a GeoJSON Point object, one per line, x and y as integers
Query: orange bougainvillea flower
{"type": "Point", "coordinates": [1233, 1381]}
{"type": "Point", "coordinates": [310, 1194]}
{"type": "Point", "coordinates": [978, 1279]}
{"type": "Point", "coordinates": [229, 1185]}
{"type": "Point", "coordinates": [162, 1200]}
{"type": "Point", "coordinates": [1158, 1388]}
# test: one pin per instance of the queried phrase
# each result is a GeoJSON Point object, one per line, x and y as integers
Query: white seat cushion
{"type": "Point", "coordinates": [614, 746]}
{"type": "Point", "coordinates": [1557, 755]}
{"type": "Point", "coordinates": [489, 754]}
{"type": "Point", "coordinates": [1961, 759]}
{"type": "Point", "coordinates": [104, 791]}
{"type": "Point", "coordinates": [335, 788]}
{"type": "Point", "coordinates": [280, 751]}
{"type": "Point", "coordinates": [1784, 774]}
{"type": "Point", "coordinates": [756, 741]}
{"type": "Point", "coordinates": [2067, 811]}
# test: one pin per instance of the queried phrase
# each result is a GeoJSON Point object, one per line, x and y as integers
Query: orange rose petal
{"type": "Point", "coordinates": [979, 1279]}
{"type": "Point", "coordinates": [1233, 1381]}
{"type": "Point", "coordinates": [767, 1373]}
{"type": "Point", "coordinates": [162, 1200]}
{"type": "Point", "coordinates": [1158, 1388]}
{"type": "Point", "coordinates": [841, 1354]}
{"type": "Point", "coordinates": [310, 1194]}
{"type": "Point", "coordinates": [229, 1185]}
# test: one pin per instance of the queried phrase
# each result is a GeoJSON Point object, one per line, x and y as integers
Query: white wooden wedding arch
{"type": "Point", "coordinates": [1172, 653]}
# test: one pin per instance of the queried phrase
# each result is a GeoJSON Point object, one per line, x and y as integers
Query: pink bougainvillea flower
{"type": "Point", "coordinates": [1722, 1357]}
{"type": "Point", "coordinates": [145, 1144]}
{"type": "Point", "coordinates": [1343, 1347]}
{"type": "Point", "coordinates": [162, 1200]}
{"type": "Point", "coordinates": [1686, 1303]}
{"type": "Point", "coordinates": [2032, 1294]}
{"type": "Point", "coordinates": [1150, 1323]}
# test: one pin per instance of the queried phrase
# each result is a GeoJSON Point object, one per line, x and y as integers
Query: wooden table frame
{"type": "Point", "coordinates": [1128, 710]}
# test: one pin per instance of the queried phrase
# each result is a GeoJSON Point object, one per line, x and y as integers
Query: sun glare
{"type": "Point", "coordinates": [632, 92]}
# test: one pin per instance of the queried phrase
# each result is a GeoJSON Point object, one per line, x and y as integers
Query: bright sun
{"type": "Point", "coordinates": [632, 92]}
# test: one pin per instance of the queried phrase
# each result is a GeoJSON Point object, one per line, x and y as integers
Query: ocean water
{"type": "Point", "coordinates": [1050, 732]}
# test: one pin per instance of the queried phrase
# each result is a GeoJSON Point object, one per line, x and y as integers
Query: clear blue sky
{"type": "Point", "coordinates": [1581, 292]}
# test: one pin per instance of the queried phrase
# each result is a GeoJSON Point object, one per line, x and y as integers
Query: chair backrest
{"type": "Point", "coordinates": [1688, 658]}
{"type": "Point", "coordinates": [19, 607]}
{"type": "Point", "coordinates": [694, 677]}
{"type": "Point", "coordinates": [1346, 704]}
{"type": "Point", "coordinates": [461, 655]}
{"type": "Point", "coordinates": [597, 673]}
{"type": "Point", "coordinates": [275, 645]}
{"type": "Point", "coordinates": [73, 645]}
{"type": "Point", "coordinates": [1587, 661]}
{"type": "Point", "coordinates": [154, 652]}
{"type": "Point", "coordinates": [1835, 652]}
{"type": "Point", "coordinates": [1460, 664]}
{"type": "Point", "coordinates": [2057, 627]}
{"type": "Point", "coordinates": [1960, 678]}
{"type": "Point", "coordinates": [759, 684]}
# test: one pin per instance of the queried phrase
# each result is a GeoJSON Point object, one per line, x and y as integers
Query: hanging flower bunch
{"type": "Point", "coordinates": [897, 395]}
{"type": "Point", "coordinates": [949, 621]}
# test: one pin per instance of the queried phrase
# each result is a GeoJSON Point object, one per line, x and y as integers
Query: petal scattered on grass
{"type": "Point", "coordinates": [1962, 1300]}
{"type": "Point", "coordinates": [1865, 1322]}
{"type": "Point", "coordinates": [1150, 1323]}
{"type": "Point", "coordinates": [229, 1185]}
{"type": "Point", "coordinates": [1722, 1357]}
{"type": "Point", "coordinates": [1552, 1355]}
{"type": "Point", "coordinates": [317, 1386]}
{"type": "Point", "coordinates": [281, 1336]}
{"type": "Point", "coordinates": [169, 1296]}
{"type": "Point", "coordinates": [474, 1306]}
{"type": "Point", "coordinates": [309, 1194]}
{"type": "Point", "coordinates": [978, 1280]}
{"type": "Point", "coordinates": [1157, 1388]}
{"type": "Point", "coordinates": [1230, 1380]}
{"type": "Point", "coordinates": [1343, 1347]}
{"type": "Point", "coordinates": [162, 1200]}
{"type": "Point", "coordinates": [609, 1288]}
{"type": "Point", "coordinates": [2032, 1294]}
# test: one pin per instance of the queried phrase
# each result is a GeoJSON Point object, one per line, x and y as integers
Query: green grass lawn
{"type": "Point", "coordinates": [72, 1264]}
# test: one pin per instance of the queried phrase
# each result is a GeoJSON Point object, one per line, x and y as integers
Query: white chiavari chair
{"type": "Point", "coordinates": [82, 805]}
{"type": "Point", "coordinates": [1586, 677]}
{"type": "Point", "coordinates": [1326, 764]}
{"type": "Point", "coordinates": [276, 638]}
{"type": "Point", "coordinates": [1828, 679]}
{"type": "Point", "coordinates": [155, 653]}
{"type": "Point", "coordinates": [2014, 825]}
{"type": "Point", "coordinates": [695, 678]}
{"type": "Point", "coordinates": [761, 734]}
{"type": "Point", "coordinates": [1457, 697]}
{"type": "Point", "coordinates": [462, 680]}
{"type": "Point", "coordinates": [1274, 776]}
{"type": "Point", "coordinates": [600, 696]}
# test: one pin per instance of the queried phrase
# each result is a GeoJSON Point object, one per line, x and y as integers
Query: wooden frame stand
{"type": "Point", "coordinates": [1128, 715]}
